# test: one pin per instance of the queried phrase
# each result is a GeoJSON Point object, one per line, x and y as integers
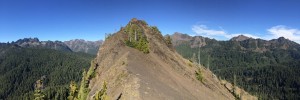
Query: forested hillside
{"type": "Point", "coordinates": [267, 69]}
{"type": "Point", "coordinates": [22, 68]}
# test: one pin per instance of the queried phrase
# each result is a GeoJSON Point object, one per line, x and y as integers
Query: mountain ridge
{"type": "Point", "coordinates": [256, 63]}
{"type": "Point", "coordinates": [81, 45]}
{"type": "Point", "coordinates": [35, 42]}
{"type": "Point", "coordinates": [240, 38]}
{"type": "Point", "coordinates": [242, 42]}
{"type": "Point", "coordinates": [160, 73]}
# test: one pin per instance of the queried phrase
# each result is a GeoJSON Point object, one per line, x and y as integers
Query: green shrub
{"type": "Point", "coordinates": [155, 29]}
{"type": "Point", "coordinates": [84, 85]}
{"type": "Point", "coordinates": [190, 64]}
{"type": "Point", "coordinates": [102, 95]}
{"type": "Point", "coordinates": [136, 38]}
{"type": "Point", "coordinates": [73, 91]}
{"type": "Point", "coordinates": [199, 75]}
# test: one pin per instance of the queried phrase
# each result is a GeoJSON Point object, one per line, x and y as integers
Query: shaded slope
{"type": "Point", "coordinates": [158, 75]}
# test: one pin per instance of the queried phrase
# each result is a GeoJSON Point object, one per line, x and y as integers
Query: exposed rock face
{"type": "Point", "coordinates": [34, 42]}
{"type": "Point", "coordinates": [161, 74]}
{"type": "Point", "coordinates": [240, 38]}
{"type": "Point", "coordinates": [80, 45]}
{"type": "Point", "coordinates": [196, 41]}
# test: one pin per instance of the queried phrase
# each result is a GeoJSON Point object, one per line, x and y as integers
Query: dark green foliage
{"type": "Point", "coordinates": [268, 75]}
{"type": "Point", "coordinates": [21, 67]}
{"type": "Point", "coordinates": [84, 84]}
{"type": "Point", "coordinates": [168, 41]}
{"type": "Point", "coordinates": [155, 29]}
{"type": "Point", "coordinates": [136, 38]}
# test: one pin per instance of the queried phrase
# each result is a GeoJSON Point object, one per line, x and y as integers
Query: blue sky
{"type": "Point", "coordinates": [91, 19]}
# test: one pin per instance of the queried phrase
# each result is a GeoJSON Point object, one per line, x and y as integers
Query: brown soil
{"type": "Point", "coordinates": [161, 74]}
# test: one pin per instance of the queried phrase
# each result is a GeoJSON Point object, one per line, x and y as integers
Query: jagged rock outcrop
{"type": "Point", "coordinates": [35, 42]}
{"type": "Point", "coordinates": [159, 74]}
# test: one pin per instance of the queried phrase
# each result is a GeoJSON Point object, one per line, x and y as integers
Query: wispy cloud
{"type": "Point", "coordinates": [273, 33]}
{"type": "Point", "coordinates": [203, 30]}
{"type": "Point", "coordinates": [284, 31]}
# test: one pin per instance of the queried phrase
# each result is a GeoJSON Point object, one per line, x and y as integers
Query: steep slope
{"type": "Point", "coordinates": [21, 67]}
{"type": "Point", "coordinates": [269, 69]}
{"type": "Point", "coordinates": [34, 42]}
{"type": "Point", "coordinates": [161, 73]}
{"type": "Point", "coordinates": [80, 45]}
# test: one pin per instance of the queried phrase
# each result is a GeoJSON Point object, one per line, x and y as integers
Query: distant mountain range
{"type": "Point", "coordinates": [34, 42]}
{"type": "Point", "coordinates": [25, 61]}
{"type": "Point", "coordinates": [76, 45]}
{"type": "Point", "coordinates": [240, 42]}
{"type": "Point", "coordinates": [268, 68]}
{"type": "Point", "coordinates": [80, 45]}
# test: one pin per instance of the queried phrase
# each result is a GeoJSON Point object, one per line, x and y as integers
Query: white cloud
{"type": "Point", "coordinates": [274, 33]}
{"type": "Point", "coordinates": [283, 31]}
{"type": "Point", "coordinates": [203, 30]}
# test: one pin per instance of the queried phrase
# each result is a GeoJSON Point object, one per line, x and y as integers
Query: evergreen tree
{"type": "Point", "coordinates": [102, 95]}
{"type": "Point", "coordinates": [38, 93]}
{"type": "Point", "coordinates": [168, 40]}
{"type": "Point", "coordinates": [73, 91]}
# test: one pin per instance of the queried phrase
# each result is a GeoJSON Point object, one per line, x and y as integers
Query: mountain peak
{"type": "Point", "coordinates": [282, 39]}
{"type": "Point", "coordinates": [136, 62]}
{"type": "Point", "coordinates": [28, 40]}
{"type": "Point", "coordinates": [138, 34]}
{"type": "Point", "coordinates": [181, 36]}
{"type": "Point", "coordinates": [134, 20]}
{"type": "Point", "coordinates": [240, 38]}
{"type": "Point", "coordinates": [35, 42]}
{"type": "Point", "coordinates": [137, 21]}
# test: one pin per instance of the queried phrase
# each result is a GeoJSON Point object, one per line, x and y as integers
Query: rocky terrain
{"type": "Point", "coordinates": [137, 69]}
